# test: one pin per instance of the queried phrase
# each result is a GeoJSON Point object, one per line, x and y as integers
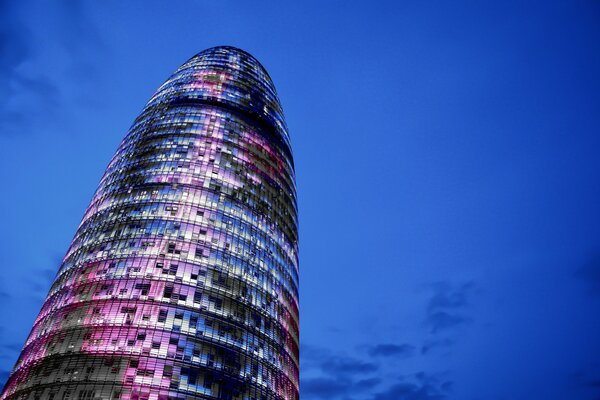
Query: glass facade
{"type": "Point", "coordinates": [182, 279]}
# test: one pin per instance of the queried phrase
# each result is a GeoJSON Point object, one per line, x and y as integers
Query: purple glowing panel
{"type": "Point", "coordinates": [182, 279]}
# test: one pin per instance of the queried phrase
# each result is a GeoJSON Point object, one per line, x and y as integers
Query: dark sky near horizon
{"type": "Point", "coordinates": [448, 169]}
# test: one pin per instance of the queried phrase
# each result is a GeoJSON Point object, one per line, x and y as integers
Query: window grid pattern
{"type": "Point", "coordinates": [182, 279]}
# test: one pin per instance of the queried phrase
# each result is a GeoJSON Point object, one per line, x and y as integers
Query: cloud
{"type": "Point", "coordinates": [8, 356]}
{"type": "Point", "coordinates": [589, 272]}
{"type": "Point", "coordinates": [331, 388]}
{"type": "Point", "coordinates": [589, 379]}
{"type": "Point", "coordinates": [335, 365]}
{"type": "Point", "coordinates": [9, 353]}
{"type": "Point", "coordinates": [19, 88]}
{"type": "Point", "coordinates": [310, 352]}
{"type": "Point", "coordinates": [435, 343]}
{"type": "Point", "coordinates": [368, 383]}
{"type": "Point", "coordinates": [409, 391]}
{"type": "Point", "coordinates": [41, 281]}
{"type": "Point", "coordinates": [448, 297]}
{"type": "Point", "coordinates": [343, 366]}
{"type": "Point", "coordinates": [424, 387]}
{"type": "Point", "coordinates": [334, 375]}
{"type": "Point", "coordinates": [391, 350]}
{"type": "Point", "coordinates": [28, 82]}
{"type": "Point", "coordinates": [13, 48]}
{"type": "Point", "coordinates": [77, 28]}
{"type": "Point", "coordinates": [594, 384]}
{"type": "Point", "coordinates": [445, 309]}
{"type": "Point", "coordinates": [10, 347]}
{"type": "Point", "coordinates": [81, 38]}
{"type": "Point", "coordinates": [446, 312]}
{"type": "Point", "coordinates": [4, 374]}
{"type": "Point", "coordinates": [322, 387]}
{"type": "Point", "coordinates": [442, 320]}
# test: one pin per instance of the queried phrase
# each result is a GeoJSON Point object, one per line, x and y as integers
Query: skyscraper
{"type": "Point", "coordinates": [182, 279]}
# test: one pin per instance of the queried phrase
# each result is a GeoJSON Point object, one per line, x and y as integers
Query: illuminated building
{"type": "Point", "coordinates": [182, 279]}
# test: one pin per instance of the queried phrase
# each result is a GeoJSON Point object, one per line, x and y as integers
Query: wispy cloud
{"type": "Point", "coordinates": [367, 374]}
{"type": "Point", "coordinates": [342, 366]}
{"type": "Point", "coordinates": [392, 350]}
{"type": "Point", "coordinates": [589, 379]}
{"type": "Point", "coordinates": [589, 272]}
{"type": "Point", "coordinates": [333, 375]}
{"type": "Point", "coordinates": [4, 374]}
{"type": "Point", "coordinates": [19, 87]}
{"type": "Point", "coordinates": [435, 343]}
{"type": "Point", "coordinates": [423, 387]}
{"type": "Point", "coordinates": [334, 364]}
{"type": "Point", "coordinates": [446, 312]}
{"type": "Point", "coordinates": [324, 387]}
{"type": "Point", "coordinates": [42, 279]}
{"type": "Point", "coordinates": [446, 308]}
{"type": "Point", "coordinates": [81, 39]}
{"type": "Point", "coordinates": [333, 388]}
{"type": "Point", "coordinates": [31, 93]}
{"type": "Point", "coordinates": [8, 353]}
{"type": "Point", "coordinates": [364, 375]}
{"type": "Point", "coordinates": [443, 320]}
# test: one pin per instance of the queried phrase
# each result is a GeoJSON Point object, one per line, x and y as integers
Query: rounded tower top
{"type": "Point", "coordinates": [228, 77]}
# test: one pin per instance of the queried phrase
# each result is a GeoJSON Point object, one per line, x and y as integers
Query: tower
{"type": "Point", "coordinates": [182, 279]}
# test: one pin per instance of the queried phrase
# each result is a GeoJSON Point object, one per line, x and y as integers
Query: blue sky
{"type": "Point", "coordinates": [447, 167]}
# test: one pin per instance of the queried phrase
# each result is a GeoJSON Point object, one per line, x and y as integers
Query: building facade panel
{"type": "Point", "coordinates": [182, 278]}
